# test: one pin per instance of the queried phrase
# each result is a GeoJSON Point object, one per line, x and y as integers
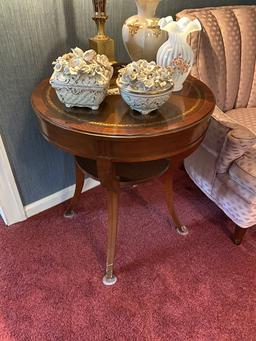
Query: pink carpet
{"type": "Point", "coordinates": [198, 287]}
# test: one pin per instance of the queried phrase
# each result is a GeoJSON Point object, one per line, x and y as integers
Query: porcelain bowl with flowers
{"type": "Point", "coordinates": [145, 102]}
{"type": "Point", "coordinates": [145, 86]}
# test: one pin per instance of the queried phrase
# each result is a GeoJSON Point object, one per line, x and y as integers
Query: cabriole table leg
{"type": "Point", "coordinates": [80, 175]}
{"type": "Point", "coordinates": [168, 184]}
{"type": "Point", "coordinates": [110, 278]}
{"type": "Point", "coordinates": [107, 176]}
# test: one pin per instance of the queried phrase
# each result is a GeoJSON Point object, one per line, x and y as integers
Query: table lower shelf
{"type": "Point", "coordinates": [127, 173]}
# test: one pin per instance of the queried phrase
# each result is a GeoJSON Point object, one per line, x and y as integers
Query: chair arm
{"type": "Point", "coordinates": [225, 135]}
{"type": "Point", "coordinates": [237, 142]}
{"type": "Point", "coordinates": [216, 134]}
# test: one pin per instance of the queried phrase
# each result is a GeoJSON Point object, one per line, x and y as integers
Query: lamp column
{"type": "Point", "coordinates": [102, 43]}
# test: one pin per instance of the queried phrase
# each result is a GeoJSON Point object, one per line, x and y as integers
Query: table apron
{"type": "Point", "coordinates": [134, 149]}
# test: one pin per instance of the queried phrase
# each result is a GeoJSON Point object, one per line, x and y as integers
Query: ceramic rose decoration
{"type": "Point", "coordinates": [142, 76]}
{"type": "Point", "coordinates": [81, 78]}
{"type": "Point", "coordinates": [176, 52]}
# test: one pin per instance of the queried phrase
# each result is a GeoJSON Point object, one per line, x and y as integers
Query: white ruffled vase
{"type": "Point", "coordinates": [176, 52]}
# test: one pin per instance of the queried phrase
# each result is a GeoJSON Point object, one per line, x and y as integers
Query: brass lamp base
{"type": "Point", "coordinates": [104, 46]}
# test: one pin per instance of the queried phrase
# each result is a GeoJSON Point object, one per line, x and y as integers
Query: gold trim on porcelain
{"type": "Point", "coordinates": [134, 28]}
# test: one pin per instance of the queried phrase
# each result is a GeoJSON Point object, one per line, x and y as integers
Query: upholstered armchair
{"type": "Point", "coordinates": [224, 166]}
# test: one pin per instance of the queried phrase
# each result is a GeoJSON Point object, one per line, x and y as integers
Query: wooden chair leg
{"type": "Point", "coordinates": [239, 234]}
{"type": "Point", "coordinates": [69, 213]}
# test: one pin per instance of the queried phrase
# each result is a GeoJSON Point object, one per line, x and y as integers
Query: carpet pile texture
{"type": "Point", "coordinates": [200, 287]}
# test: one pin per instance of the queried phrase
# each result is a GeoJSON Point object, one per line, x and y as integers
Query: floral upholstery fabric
{"type": "Point", "coordinates": [224, 166]}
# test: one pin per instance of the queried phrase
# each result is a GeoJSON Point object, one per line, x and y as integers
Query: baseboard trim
{"type": "Point", "coordinates": [3, 216]}
{"type": "Point", "coordinates": [56, 198]}
{"type": "Point", "coordinates": [12, 210]}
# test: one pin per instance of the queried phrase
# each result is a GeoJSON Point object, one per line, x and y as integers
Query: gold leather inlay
{"type": "Point", "coordinates": [127, 125]}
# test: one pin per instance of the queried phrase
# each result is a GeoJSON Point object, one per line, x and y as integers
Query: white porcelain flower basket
{"type": "Point", "coordinates": [75, 92]}
{"type": "Point", "coordinates": [82, 78]}
{"type": "Point", "coordinates": [175, 52]}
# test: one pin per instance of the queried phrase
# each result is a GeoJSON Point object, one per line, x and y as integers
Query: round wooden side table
{"type": "Point", "coordinates": [117, 148]}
